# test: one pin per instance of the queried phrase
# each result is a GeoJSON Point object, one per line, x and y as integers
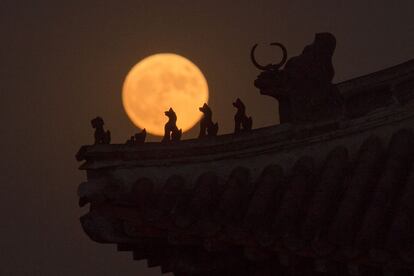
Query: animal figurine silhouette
{"type": "Point", "coordinates": [130, 141]}
{"type": "Point", "coordinates": [171, 131]}
{"type": "Point", "coordinates": [207, 127]}
{"type": "Point", "coordinates": [101, 136]}
{"type": "Point", "coordinates": [241, 121]}
{"type": "Point", "coordinates": [304, 86]}
{"type": "Point", "coordinates": [138, 138]}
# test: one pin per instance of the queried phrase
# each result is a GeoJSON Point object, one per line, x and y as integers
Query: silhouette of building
{"type": "Point", "coordinates": [333, 197]}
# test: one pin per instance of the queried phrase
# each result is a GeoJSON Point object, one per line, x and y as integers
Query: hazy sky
{"type": "Point", "coordinates": [63, 63]}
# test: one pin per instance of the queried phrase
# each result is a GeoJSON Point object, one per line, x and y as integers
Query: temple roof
{"type": "Point", "coordinates": [384, 91]}
{"type": "Point", "coordinates": [327, 196]}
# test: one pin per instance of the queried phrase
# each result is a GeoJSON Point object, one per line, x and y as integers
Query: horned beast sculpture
{"type": "Point", "coordinates": [304, 86]}
{"type": "Point", "coordinates": [270, 67]}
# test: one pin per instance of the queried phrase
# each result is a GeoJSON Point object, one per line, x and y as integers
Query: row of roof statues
{"type": "Point", "coordinates": [208, 128]}
{"type": "Point", "coordinates": [303, 88]}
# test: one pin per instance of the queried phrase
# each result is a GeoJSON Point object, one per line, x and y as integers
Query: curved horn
{"type": "Point", "coordinates": [252, 57]}
{"type": "Point", "coordinates": [284, 58]}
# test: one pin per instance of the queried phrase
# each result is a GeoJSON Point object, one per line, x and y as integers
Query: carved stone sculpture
{"type": "Point", "coordinates": [241, 121]}
{"type": "Point", "coordinates": [207, 127]}
{"type": "Point", "coordinates": [304, 86]}
{"type": "Point", "coordinates": [138, 138]}
{"type": "Point", "coordinates": [171, 131]}
{"type": "Point", "coordinates": [101, 136]}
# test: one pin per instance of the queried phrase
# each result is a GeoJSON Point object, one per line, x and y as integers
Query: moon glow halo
{"type": "Point", "coordinates": [159, 82]}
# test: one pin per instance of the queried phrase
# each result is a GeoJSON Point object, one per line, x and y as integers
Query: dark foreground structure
{"type": "Point", "coordinates": [330, 191]}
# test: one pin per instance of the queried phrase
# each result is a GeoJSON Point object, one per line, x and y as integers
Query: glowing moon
{"type": "Point", "coordinates": [159, 82]}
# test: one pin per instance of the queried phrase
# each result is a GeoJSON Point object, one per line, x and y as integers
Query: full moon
{"type": "Point", "coordinates": [159, 82]}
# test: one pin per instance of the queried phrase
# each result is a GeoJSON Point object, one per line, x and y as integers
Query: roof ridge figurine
{"type": "Point", "coordinates": [171, 131]}
{"type": "Point", "coordinates": [304, 86]}
{"type": "Point", "coordinates": [241, 121]}
{"type": "Point", "coordinates": [207, 127]}
{"type": "Point", "coordinates": [138, 138]}
{"type": "Point", "coordinates": [101, 136]}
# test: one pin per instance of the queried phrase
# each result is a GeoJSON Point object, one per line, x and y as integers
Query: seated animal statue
{"type": "Point", "coordinates": [101, 136]}
{"type": "Point", "coordinates": [138, 138]}
{"type": "Point", "coordinates": [130, 141]}
{"type": "Point", "coordinates": [171, 131]}
{"type": "Point", "coordinates": [207, 127]}
{"type": "Point", "coordinates": [304, 86]}
{"type": "Point", "coordinates": [241, 121]}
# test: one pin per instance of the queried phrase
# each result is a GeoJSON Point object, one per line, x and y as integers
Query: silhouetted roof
{"type": "Point", "coordinates": [327, 197]}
